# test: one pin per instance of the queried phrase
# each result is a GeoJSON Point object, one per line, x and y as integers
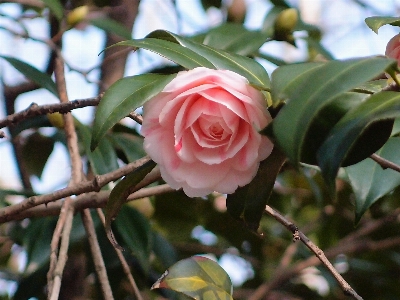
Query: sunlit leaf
{"type": "Point", "coordinates": [242, 65]}
{"type": "Point", "coordinates": [120, 193]}
{"type": "Point", "coordinates": [198, 277]}
{"type": "Point", "coordinates": [122, 97]}
{"type": "Point", "coordinates": [248, 202]}
{"type": "Point", "coordinates": [370, 181]}
{"type": "Point", "coordinates": [181, 55]}
{"type": "Point", "coordinates": [40, 78]}
{"type": "Point", "coordinates": [377, 22]}
{"type": "Point", "coordinates": [243, 42]}
{"type": "Point", "coordinates": [346, 134]}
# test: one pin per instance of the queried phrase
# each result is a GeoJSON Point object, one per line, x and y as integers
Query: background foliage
{"type": "Point", "coordinates": [330, 116]}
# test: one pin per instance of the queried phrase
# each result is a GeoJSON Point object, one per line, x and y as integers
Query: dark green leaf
{"type": "Point", "coordinates": [122, 97]}
{"type": "Point", "coordinates": [181, 55]}
{"type": "Point", "coordinates": [103, 159]}
{"type": "Point", "coordinates": [377, 22]}
{"type": "Point", "coordinates": [370, 182]}
{"type": "Point", "coordinates": [347, 135]}
{"type": "Point", "coordinates": [32, 73]}
{"type": "Point", "coordinates": [211, 3]}
{"type": "Point", "coordinates": [120, 193]}
{"type": "Point", "coordinates": [131, 145]}
{"type": "Point", "coordinates": [55, 7]}
{"type": "Point", "coordinates": [243, 41]}
{"type": "Point", "coordinates": [248, 202]}
{"type": "Point", "coordinates": [197, 277]}
{"type": "Point", "coordinates": [135, 232]}
{"type": "Point", "coordinates": [112, 26]}
{"type": "Point", "coordinates": [242, 65]}
{"type": "Point", "coordinates": [35, 153]}
{"type": "Point", "coordinates": [371, 87]}
{"type": "Point", "coordinates": [308, 94]}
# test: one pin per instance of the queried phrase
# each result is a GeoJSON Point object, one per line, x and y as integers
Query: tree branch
{"type": "Point", "coordinates": [298, 235]}
{"type": "Point", "coordinates": [94, 185]}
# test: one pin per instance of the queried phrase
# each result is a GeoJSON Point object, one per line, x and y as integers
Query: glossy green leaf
{"type": "Point", "coordinates": [135, 232]}
{"type": "Point", "coordinates": [286, 80]}
{"type": "Point", "coordinates": [112, 26]}
{"type": "Point", "coordinates": [311, 92]}
{"type": "Point", "coordinates": [103, 159]}
{"type": "Point", "coordinates": [370, 182]}
{"type": "Point", "coordinates": [247, 204]}
{"type": "Point", "coordinates": [122, 97]}
{"type": "Point", "coordinates": [371, 87]}
{"type": "Point", "coordinates": [40, 78]}
{"type": "Point", "coordinates": [120, 193]}
{"type": "Point", "coordinates": [243, 41]}
{"type": "Point", "coordinates": [35, 152]}
{"type": "Point", "coordinates": [181, 55]}
{"type": "Point", "coordinates": [130, 145]}
{"type": "Point", "coordinates": [242, 65]}
{"type": "Point", "coordinates": [377, 22]}
{"type": "Point", "coordinates": [56, 8]}
{"type": "Point", "coordinates": [346, 136]}
{"type": "Point", "coordinates": [198, 277]}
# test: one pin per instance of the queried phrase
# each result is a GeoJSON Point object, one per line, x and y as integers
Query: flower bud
{"type": "Point", "coordinates": [77, 15]}
{"type": "Point", "coordinates": [284, 25]}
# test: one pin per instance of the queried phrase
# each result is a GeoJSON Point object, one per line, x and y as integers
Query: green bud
{"type": "Point", "coordinates": [284, 25]}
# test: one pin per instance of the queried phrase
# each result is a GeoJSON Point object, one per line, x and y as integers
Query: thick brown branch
{"type": "Point", "coordinates": [7, 213]}
{"type": "Point", "coordinates": [35, 110]}
{"type": "Point", "coordinates": [90, 200]}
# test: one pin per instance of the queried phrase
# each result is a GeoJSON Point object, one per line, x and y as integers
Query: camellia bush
{"type": "Point", "coordinates": [291, 176]}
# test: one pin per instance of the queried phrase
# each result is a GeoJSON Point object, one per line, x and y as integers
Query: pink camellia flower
{"type": "Point", "coordinates": [393, 48]}
{"type": "Point", "coordinates": [202, 130]}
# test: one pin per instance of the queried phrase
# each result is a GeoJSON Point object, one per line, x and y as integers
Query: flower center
{"type": "Point", "coordinates": [216, 131]}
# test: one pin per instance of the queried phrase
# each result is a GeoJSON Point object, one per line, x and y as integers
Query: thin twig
{"type": "Point", "coordinates": [37, 110]}
{"type": "Point", "coordinates": [384, 163]}
{"type": "Point", "coordinates": [96, 253]}
{"type": "Point", "coordinates": [94, 185]}
{"type": "Point", "coordinates": [298, 235]}
{"type": "Point", "coordinates": [63, 253]}
{"type": "Point", "coordinates": [136, 117]}
{"type": "Point", "coordinates": [122, 259]}
{"type": "Point", "coordinates": [54, 245]}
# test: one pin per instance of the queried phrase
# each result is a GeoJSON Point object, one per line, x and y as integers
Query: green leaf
{"type": "Point", "coordinates": [40, 78]}
{"type": "Point", "coordinates": [56, 8]}
{"type": "Point", "coordinates": [130, 145]}
{"type": "Point", "coordinates": [112, 26]}
{"type": "Point", "coordinates": [182, 56]}
{"type": "Point", "coordinates": [370, 182]}
{"type": "Point", "coordinates": [286, 80]}
{"type": "Point", "coordinates": [242, 65]}
{"type": "Point", "coordinates": [377, 22]}
{"type": "Point", "coordinates": [308, 94]}
{"type": "Point", "coordinates": [136, 234]}
{"type": "Point", "coordinates": [103, 159]}
{"type": "Point", "coordinates": [247, 204]}
{"type": "Point", "coordinates": [122, 97]}
{"type": "Point", "coordinates": [197, 277]}
{"type": "Point", "coordinates": [120, 193]}
{"type": "Point", "coordinates": [243, 41]}
{"type": "Point", "coordinates": [347, 135]}
{"type": "Point", "coordinates": [35, 153]}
